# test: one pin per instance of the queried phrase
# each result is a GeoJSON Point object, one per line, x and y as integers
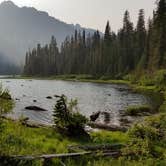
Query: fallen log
{"type": "Point", "coordinates": [66, 155]}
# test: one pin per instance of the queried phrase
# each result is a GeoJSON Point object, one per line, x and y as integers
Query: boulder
{"type": "Point", "coordinates": [35, 108]}
{"type": "Point", "coordinates": [95, 116]}
{"type": "Point", "coordinates": [48, 97]}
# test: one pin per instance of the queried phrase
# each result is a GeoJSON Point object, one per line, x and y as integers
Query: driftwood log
{"type": "Point", "coordinates": [67, 155]}
{"type": "Point", "coordinates": [90, 150]}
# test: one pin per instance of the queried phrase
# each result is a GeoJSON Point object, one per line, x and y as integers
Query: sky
{"type": "Point", "coordinates": [91, 13]}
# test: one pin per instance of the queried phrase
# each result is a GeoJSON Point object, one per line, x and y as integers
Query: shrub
{"type": "Point", "coordinates": [146, 80]}
{"type": "Point", "coordinates": [140, 131]}
{"type": "Point", "coordinates": [4, 93]}
{"type": "Point", "coordinates": [160, 78]}
{"type": "Point", "coordinates": [67, 117]}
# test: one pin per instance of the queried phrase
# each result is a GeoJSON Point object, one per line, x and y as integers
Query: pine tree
{"type": "Point", "coordinates": [160, 23]}
{"type": "Point", "coordinates": [126, 45]}
{"type": "Point", "coordinates": [140, 39]}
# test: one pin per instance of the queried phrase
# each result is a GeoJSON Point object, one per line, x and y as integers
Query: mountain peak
{"type": "Point", "coordinates": [8, 4]}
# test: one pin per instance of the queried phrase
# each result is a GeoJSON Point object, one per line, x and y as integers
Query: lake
{"type": "Point", "coordinates": [92, 97]}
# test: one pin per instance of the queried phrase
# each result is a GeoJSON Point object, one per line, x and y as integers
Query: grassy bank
{"type": "Point", "coordinates": [144, 145]}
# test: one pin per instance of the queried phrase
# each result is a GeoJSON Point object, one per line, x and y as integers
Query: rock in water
{"type": "Point", "coordinates": [49, 97]}
{"type": "Point", "coordinates": [94, 116]}
{"type": "Point", "coordinates": [35, 108]}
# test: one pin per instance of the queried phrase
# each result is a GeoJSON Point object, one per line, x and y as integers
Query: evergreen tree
{"type": "Point", "coordinates": [112, 55]}
{"type": "Point", "coordinates": [160, 23]}
{"type": "Point", "coordinates": [140, 39]}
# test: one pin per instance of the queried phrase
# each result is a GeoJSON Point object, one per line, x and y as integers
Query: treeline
{"type": "Point", "coordinates": [113, 54]}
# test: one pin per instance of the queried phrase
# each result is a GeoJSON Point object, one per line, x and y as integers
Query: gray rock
{"type": "Point", "coordinates": [35, 108]}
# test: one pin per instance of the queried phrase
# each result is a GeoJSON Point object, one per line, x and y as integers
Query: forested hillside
{"type": "Point", "coordinates": [23, 27]}
{"type": "Point", "coordinates": [115, 54]}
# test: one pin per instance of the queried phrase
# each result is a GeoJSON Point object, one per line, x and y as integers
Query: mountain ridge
{"type": "Point", "coordinates": [22, 28]}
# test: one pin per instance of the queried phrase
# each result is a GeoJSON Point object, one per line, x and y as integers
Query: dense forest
{"type": "Point", "coordinates": [113, 54]}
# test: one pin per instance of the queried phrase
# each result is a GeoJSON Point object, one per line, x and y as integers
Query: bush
{"type": "Point", "coordinates": [6, 104]}
{"type": "Point", "coordinates": [67, 117]}
{"type": "Point", "coordinates": [140, 131]}
{"type": "Point", "coordinates": [4, 94]}
{"type": "Point", "coordinates": [146, 80]}
{"type": "Point", "coordinates": [138, 110]}
{"type": "Point", "coordinates": [147, 139]}
{"type": "Point", "coordinates": [160, 78]}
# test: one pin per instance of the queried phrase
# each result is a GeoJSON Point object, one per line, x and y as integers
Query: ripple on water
{"type": "Point", "coordinates": [92, 97]}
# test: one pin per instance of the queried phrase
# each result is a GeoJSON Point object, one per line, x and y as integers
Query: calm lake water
{"type": "Point", "coordinates": [92, 97]}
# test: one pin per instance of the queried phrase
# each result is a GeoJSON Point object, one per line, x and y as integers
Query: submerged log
{"type": "Point", "coordinates": [35, 108]}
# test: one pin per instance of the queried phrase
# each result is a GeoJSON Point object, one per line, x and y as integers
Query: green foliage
{"type": "Point", "coordinates": [147, 140]}
{"type": "Point", "coordinates": [138, 110]}
{"type": "Point", "coordinates": [140, 131]}
{"type": "Point", "coordinates": [160, 78]}
{"type": "Point", "coordinates": [4, 93]}
{"type": "Point", "coordinates": [18, 139]}
{"type": "Point", "coordinates": [109, 137]}
{"type": "Point", "coordinates": [6, 105]}
{"type": "Point", "coordinates": [66, 116]}
{"type": "Point", "coordinates": [146, 80]}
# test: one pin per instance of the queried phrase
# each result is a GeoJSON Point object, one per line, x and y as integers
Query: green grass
{"type": "Point", "coordinates": [138, 110]}
{"type": "Point", "coordinates": [109, 137]}
{"type": "Point", "coordinates": [20, 140]}
{"type": "Point", "coordinates": [17, 139]}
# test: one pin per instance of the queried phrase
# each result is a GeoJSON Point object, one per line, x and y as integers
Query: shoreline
{"type": "Point", "coordinates": [148, 91]}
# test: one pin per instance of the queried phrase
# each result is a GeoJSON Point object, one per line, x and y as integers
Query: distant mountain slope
{"type": "Point", "coordinates": [22, 28]}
